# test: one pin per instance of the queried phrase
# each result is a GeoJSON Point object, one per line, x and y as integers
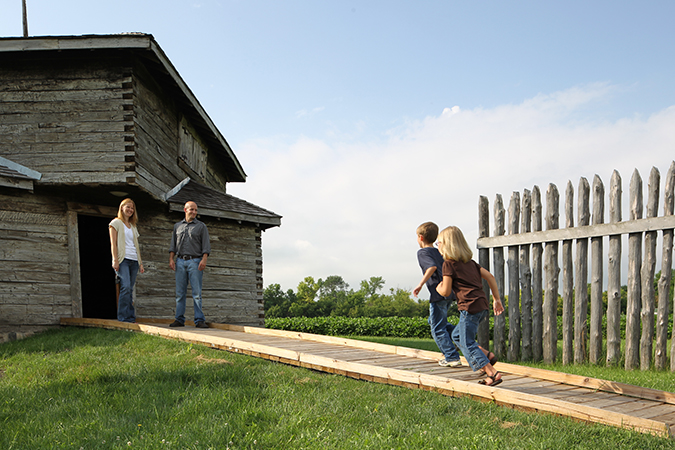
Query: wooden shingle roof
{"type": "Point", "coordinates": [214, 203]}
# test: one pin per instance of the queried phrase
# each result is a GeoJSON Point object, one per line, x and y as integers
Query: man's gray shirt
{"type": "Point", "coordinates": [190, 239]}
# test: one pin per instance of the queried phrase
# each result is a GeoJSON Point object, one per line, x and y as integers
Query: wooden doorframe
{"type": "Point", "coordinates": [74, 247]}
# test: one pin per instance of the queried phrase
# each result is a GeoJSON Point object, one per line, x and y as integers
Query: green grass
{"type": "Point", "coordinates": [663, 380]}
{"type": "Point", "coordinates": [91, 388]}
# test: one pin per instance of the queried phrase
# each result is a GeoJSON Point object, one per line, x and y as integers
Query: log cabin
{"type": "Point", "coordinates": [86, 121]}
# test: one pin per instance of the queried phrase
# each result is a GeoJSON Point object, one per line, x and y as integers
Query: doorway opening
{"type": "Point", "coordinates": [99, 293]}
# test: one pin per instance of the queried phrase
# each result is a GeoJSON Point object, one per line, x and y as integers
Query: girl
{"type": "Point", "coordinates": [126, 256]}
{"type": "Point", "coordinates": [465, 276]}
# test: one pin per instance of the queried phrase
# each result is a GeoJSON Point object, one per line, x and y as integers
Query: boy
{"type": "Point", "coordinates": [431, 262]}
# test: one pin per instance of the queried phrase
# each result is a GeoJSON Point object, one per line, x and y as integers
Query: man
{"type": "Point", "coordinates": [190, 248]}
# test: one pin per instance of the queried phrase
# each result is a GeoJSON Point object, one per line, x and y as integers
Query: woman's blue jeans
{"type": "Point", "coordinates": [464, 336]}
{"type": "Point", "coordinates": [441, 330]}
{"type": "Point", "coordinates": [188, 271]}
{"type": "Point", "coordinates": [127, 273]}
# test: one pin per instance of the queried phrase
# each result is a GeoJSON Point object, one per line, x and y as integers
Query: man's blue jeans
{"type": "Point", "coordinates": [188, 271]}
{"type": "Point", "coordinates": [441, 330]}
{"type": "Point", "coordinates": [464, 336]}
{"type": "Point", "coordinates": [127, 272]}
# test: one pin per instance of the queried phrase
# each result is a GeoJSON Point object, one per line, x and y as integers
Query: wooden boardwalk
{"type": "Point", "coordinates": [581, 398]}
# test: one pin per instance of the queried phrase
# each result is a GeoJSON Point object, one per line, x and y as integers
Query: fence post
{"type": "Point", "coordinates": [550, 308]}
{"type": "Point", "coordinates": [537, 284]}
{"type": "Point", "coordinates": [614, 275]}
{"type": "Point", "coordinates": [647, 274]}
{"type": "Point", "coordinates": [526, 279]}
{"type": "Point", "coordinates": [499, 330]}
{"type": "Point", "coordinates": [568, 281]}
{"type": "Point", "coordinates": [595, 346]}
{"type": "Point", "coordinates": [634, 260]}
{"type": "Point", "coordinates": [484, 261]}
{"type": "Point", "coordinates": [664, 281]}
{"type": "Point", "coordinates": [581, 282]}
{"type": "Point", "coordinates": [514, 284]}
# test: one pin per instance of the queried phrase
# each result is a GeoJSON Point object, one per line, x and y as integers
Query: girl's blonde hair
{"type": "Point", "coordinates": [452, 245]}
{"type": "Point", "coordinates": [134, 217]}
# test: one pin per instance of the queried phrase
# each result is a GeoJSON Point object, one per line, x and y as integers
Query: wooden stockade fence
{"type": "Point", "coordinates": [581, 398]}
{"type": "Point", "coordinates": [534, 272]}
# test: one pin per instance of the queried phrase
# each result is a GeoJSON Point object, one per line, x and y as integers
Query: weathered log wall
{"type": "Point", "coordinates": [232, 290]}
{"type": "Point", "coordinates": [647, 311]}
{"type": "Point", "coordinates": [40, 281]}
{"type": "Point", "coordinates": [34, 268]}
{"type": "Point", "coordinates": [102, 121]}
{"type": "Point", "coordinates": [66, 121]}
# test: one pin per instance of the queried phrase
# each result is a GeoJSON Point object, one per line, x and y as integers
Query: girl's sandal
{"type": "Point", "coordinates": [493, 378]}
{"type": "Point", "coordinates": [493, 358]}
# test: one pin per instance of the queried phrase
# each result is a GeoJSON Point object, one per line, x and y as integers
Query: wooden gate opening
{"type": "Point", "coordinates": [99, 297]}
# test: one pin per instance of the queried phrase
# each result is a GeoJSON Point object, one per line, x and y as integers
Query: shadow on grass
{"type": "Point", "coordinates": [64, 339]}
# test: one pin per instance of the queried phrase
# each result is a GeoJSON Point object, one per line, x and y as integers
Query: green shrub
{"type": "Point", "coordinates": [404, 327]}
{"type": "Point", "coordinates": [359, 326]}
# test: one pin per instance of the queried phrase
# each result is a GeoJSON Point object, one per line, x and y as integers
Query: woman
{"type": "Point", "coordinates": [465, 277]}
{"type": "Point", "coordinates": [126, 256]}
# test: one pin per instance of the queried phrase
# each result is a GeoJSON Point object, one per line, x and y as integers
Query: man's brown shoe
{"type": "Point", "coordinates": [176, 323]}
{"type": "Point", "coordinates": [201, 325]}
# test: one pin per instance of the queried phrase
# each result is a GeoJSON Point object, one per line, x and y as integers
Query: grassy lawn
{"type": "Point", "coordinates": [91, 388]}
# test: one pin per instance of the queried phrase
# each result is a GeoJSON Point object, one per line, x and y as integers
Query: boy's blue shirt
{"type": "Point", "coordinates": [431, 257]}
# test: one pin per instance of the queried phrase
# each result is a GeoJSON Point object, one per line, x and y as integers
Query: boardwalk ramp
{"type": "Point", "coordinates": [582, 398]}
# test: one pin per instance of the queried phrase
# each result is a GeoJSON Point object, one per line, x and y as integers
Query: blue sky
{"type": "Point", "coordinates": [359, 120]}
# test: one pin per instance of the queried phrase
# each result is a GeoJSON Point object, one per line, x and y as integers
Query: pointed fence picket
{"type": "Point", "coordinates": [534, 269]}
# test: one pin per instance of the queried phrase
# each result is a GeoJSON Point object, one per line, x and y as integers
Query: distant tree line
{"type": "Point", "coordinates": [333, 297]}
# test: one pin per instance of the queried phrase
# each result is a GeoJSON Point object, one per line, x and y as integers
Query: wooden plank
{"type": "Point", "coordinates": [543, 390]}
{"type": "Point", "coordinates": [666, 418]}
{"type": "Point", "coordinates": [581, 278]}
{"type": "Point", "coordinates": [526, 279]}
{"type": "Point", "coordinates": [614, 276]}
{"type": "Point", "coordinates": [592, 383]}
{"type": "Point", "coordinates": [575, 392]}
{"type": "Point", "coordinates": [405, 378]}
{"type": "Point", "coordinates": [634, 282]}
{"type": "Point", "coordinates": [603, 403]}
{"type": "Point", "coordinates": [550, 308]}
{"type": "Point", "coordinates": [647, 275]}
{"type": "Point", "coordinates": [654, 411]}
{"type": "Point", "coordinates": [568, 282]}
{"type": "Point", "coordinates": [483, 337]}
{"type": "Point", "coordinates": [631, 407]}
{"type": "Point", "coordinates": [537, 280]}
{"type": "Point", "coordinates": [595, 325]}
{"type": "Point", "coordinates": [499, 326]}
{"type": "Point", "coordinates": [513, 353]}
{"type": "Point", "coordinates": [660, 359]}
{"type": "Point", "coordinates": [608, 229]}
{"type": "Point", "coordinates": [541, 374]}
{"type": "Point", "coordinates": [522, 383]}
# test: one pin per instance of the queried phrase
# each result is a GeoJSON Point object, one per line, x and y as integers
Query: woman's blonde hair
{"type": "Point", "coordinates": [452, 245]}
{"type": "Point", "coordinates": [134, 217]}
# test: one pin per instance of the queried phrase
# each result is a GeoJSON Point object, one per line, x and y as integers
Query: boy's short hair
{"type": "Point", "coordinates": [428, 231]}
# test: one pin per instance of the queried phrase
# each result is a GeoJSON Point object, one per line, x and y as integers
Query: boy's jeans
{"type": "Point", "coordinates": [188, 270]}
{"type": "Point", "coordinates": [441, 330]}
{"type": "Point", "coordinates": [464, 336]}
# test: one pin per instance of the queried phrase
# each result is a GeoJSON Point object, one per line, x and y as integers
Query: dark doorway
{"type": "Point", "coordinates": [99, 295]}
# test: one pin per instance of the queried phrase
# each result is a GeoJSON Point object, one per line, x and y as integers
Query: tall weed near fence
{"type": "Point", "coordinates": [540, 261]}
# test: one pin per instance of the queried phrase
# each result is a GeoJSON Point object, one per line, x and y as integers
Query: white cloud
{"type": "Point", "coordinates": [304, 112]}
{"type": "Point", "coordinates": [352, 209]}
